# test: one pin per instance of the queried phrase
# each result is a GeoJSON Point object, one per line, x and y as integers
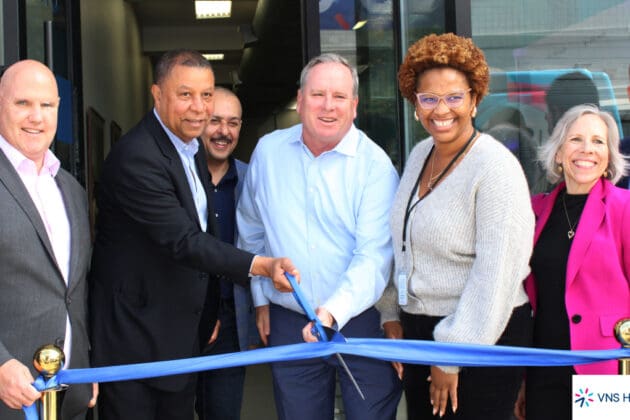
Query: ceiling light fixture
{"type": "Point", "coordinates": [214, 57]}
{"type": "Point", "coordinates": [213, 9]}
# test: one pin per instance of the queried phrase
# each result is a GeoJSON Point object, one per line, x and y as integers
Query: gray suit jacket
{"type": "Point", "coordinates": [34, 299]}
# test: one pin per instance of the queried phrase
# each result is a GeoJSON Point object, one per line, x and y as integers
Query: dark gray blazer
{"type": "Point", "coordinates": [34, 299]}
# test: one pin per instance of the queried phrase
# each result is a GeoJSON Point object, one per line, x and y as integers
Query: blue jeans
{"type": "Point", "coordinates": [220, 391]}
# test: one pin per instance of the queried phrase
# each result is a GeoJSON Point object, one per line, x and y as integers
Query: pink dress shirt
{"type": "Point", "coordinates": [47, 197]}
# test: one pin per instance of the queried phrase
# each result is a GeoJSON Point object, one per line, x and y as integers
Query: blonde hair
{"type": "Point", "coordinates": [617, 166]}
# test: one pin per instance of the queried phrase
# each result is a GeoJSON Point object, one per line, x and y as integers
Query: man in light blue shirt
{"type": "Point", "coordinates": [320, 192]}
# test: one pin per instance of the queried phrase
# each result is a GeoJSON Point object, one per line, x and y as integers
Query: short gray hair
{"type": "Point", "coordinates": [331, 58]}
{"type": "Point", "coordinates": [617, 166]}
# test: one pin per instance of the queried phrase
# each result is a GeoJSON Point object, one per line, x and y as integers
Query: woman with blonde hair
{"type": "Point", "coordinates": [581, 261]}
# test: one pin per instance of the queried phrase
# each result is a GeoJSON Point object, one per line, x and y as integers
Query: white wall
{"type": "Point", "coordinates": [115, 74]}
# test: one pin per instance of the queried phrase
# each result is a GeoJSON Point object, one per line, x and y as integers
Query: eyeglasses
{"type": "Point", "coordinates": [231, 123]}
{"type": "Point", "coordinates": [431, 100]}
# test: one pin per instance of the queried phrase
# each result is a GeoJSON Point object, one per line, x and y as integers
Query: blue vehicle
{"type": "Point", "coordinates": [526, 92]}
{"type": "Point", "coordinates": [516, 110]}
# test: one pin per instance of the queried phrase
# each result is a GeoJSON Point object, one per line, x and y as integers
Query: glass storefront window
{"type": "Point", "coordinates": [48, 32]}
{"type": "Point", "coordinates": [580, 47]}
{"type": "Point", "coordinates": [38, 11]}
{"type": "Point", "coordinates": [363, 32]}
{"type": "Point", "coordinates": [418, 18]}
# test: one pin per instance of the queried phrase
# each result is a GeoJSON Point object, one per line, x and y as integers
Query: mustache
{"type": "Point", "coordinates": [221, 138]}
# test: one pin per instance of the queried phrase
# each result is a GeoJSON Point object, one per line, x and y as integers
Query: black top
{"type": "Point", "coordinates": [224, 206]}
{"type": "Point", "coordinates": [549, 266]}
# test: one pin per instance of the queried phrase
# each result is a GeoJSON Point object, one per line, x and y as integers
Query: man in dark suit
{"type": "Point", "coordinates": [44, 244]}
{"type": "Point", "coordinates": [155, 253]}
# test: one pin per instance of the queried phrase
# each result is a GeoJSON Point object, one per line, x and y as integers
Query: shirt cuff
{"type": "Point", "coordinates": [449, 369]}
{"type": "Point", "coordinates": [251, 266]}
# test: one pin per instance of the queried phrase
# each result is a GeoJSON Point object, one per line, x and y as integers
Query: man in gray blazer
{"type": "Point", "coordinates": [44, 244]}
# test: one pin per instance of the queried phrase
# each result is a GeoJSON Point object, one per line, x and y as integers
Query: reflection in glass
{"type": "Point", "coordinates": [546, 57]}
{"type": "Point", "coordinates": [369, 46]}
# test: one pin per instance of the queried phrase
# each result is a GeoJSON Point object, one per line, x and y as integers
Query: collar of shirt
{"type": "Point", "coordinates": [231, 176]}
{"type": "Point", "coordinates": [24, 165]}
{"type": "Point", "coordinates": [188, 149]}
{"type": "Point", "coordinates": [347, 146]}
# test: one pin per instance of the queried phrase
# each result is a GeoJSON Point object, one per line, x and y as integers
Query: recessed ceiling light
{"type": "Point", "coordinates": [213, 9]}
{"type": "Point", "coordinates": [214, 57]}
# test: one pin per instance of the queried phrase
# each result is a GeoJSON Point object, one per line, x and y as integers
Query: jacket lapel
{"type": "Point", "coordinates": [170, 153]}
{"type": "Point", "coordinates": [543, 204]}
{"type": "Point", "coordinates": [75, 233]}
{"type": "Point", "coordinates": [590, 220]}
{"type": "Point", "coordinates": [11, 180]}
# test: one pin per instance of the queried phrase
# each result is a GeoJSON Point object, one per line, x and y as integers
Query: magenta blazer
{"type": "Point", "coordinates": [598, 269]}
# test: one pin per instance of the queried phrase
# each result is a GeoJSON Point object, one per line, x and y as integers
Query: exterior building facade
{"type": "Point", "coordinates": [527, 43]}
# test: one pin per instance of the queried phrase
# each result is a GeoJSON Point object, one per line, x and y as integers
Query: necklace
{"type": "Point", "coordinates": [433, 180]}
{"type": "Point", "coordinates": [438, 177]}
{"type": "Point", "coordinates": [571, 232]}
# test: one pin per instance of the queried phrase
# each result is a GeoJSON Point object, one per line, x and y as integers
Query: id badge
{"type": "Point", "coordinates": [401, 279]}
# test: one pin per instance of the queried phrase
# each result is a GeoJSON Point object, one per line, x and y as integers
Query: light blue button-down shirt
{"type": "Point", "coordinates": [329, 214]}
{"type": "Point", "coordinates": [187, 152]}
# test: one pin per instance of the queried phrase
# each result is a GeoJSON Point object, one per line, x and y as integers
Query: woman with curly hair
{"type": "Point", "coordinates": [462, 228]}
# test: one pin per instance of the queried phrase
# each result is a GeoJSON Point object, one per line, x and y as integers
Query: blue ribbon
{"type": "Point", "coordinates": [407, 351]}
{"type": "Point", "coordinates": [40, 384]}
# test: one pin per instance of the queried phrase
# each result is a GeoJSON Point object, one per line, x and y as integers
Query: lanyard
{"type": "Point", "coordinates": [410, 207]}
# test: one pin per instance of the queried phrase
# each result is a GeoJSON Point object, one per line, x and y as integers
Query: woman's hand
{"type": "Point", "coordinates": [393, 329]}
{"type": "Point", "coordinates": [519, 405]}
{"type": "Point", "coordinates": [442, 386]}
{"type": "Point", "coordinates": [92, 402]}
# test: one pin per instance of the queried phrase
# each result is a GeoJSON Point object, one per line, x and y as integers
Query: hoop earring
{"type": "Point", "coordinates": [415, 115]}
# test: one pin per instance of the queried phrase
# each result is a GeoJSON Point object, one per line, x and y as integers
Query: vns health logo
{"type": "Point", "coordinates": [597, 397]}
{"type": "Point", "coordinates": [583, 398]}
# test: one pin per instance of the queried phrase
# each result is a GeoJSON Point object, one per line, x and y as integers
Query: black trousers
{"type": "Point", "coordinates": [486, 393]}
{"type": "Point", "coordinates": [134, 400]}
{"type": "Point", "coordinates": [548, 393]}
{"type": "Point", "coordinates": [220, 391]}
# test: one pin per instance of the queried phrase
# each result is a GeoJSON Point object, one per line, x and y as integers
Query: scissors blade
{"type": "Point", "coordinates": [347, 369]}
{"type": "Point", "coordinates": [318, 329]}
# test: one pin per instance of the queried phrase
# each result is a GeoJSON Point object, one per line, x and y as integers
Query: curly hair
{"type": "Point", "coordinates": [439, 51]}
